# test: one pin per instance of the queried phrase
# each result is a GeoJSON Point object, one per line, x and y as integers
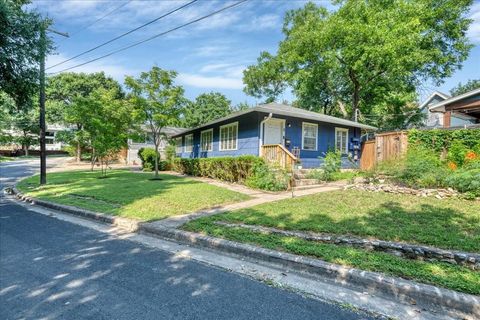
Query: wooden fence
{"type": "Point", "coordinates": [386, 146]}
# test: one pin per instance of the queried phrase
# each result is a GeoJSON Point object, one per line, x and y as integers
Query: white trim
{"type": "Point", "coordinates": [220, 136]}
{"type": "Point", "coordinates": [338, 129]}
{"type": "Point", "coordinates": [185, 146]}
{"type": "Point", "coordinates": [211, 140]}
{"type": "Point", "coordinates": [179, 147]}
{"type": "Point", "coordinates": [316, 135]}
{"type": "Point", "coordinates": [435, 93]}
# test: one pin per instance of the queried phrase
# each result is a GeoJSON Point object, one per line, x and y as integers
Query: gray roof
{"type": "Point", "coordinates": [286, 110]}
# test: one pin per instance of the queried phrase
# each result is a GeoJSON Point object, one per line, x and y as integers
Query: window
{"type": "Point", "coordinates": [206, 140]}
{"type": "Point", "coordinates": [178, 145]}
{"type": "Point", "coordinates": [189, 143]}
{"type": "Point", "coordinates": [309, 136]}
{"type": "Point", "coordinates": [341, 140]}
{"type": "Point", "coordinates": [228, 136]}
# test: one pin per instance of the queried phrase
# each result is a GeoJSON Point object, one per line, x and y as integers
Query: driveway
{"type": "Point", "coordinates": [52, 269]}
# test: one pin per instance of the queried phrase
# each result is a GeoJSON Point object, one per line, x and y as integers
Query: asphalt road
{"type": "Point", "coordinates": [52, 269]}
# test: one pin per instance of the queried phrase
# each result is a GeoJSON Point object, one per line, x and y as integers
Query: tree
{"type": "Point", "coordinates": [26, 123]}
{"type": "Point", "coordinates": [463, 88]}
{"type": "Point", "coordinates": [64, 91]}
{"type": "Point", "coordinates": [157, 101]}
{"type": "Point", "coordinates": [19, 50]}
{"type": "Point", "coordinates": [364, 52]}
{"type": "Point", "coordinates": [107, 123]}
{"type": "Point", "coordinates": [205, 108]}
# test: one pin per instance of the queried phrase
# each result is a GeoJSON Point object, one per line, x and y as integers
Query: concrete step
{"type": "Point", "coordinates": [312, 186]}
{"type": "Point", "coordinates": [304, 182]}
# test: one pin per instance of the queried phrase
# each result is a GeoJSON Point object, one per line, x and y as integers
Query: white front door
{"type": "Point", "coordinates": [273, 131]}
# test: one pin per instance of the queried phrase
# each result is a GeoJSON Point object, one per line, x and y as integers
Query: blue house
{"type": "Point", "coordinates": [275, 132]}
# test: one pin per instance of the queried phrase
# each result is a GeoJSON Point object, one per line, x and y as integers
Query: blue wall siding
{"type": "Point", "coordinates": [248, 133]}
{"type": "Point", "coordinates": [325, 141]}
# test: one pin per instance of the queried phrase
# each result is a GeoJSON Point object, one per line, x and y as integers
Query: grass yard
{"type": "Point", "coordinates": [130, 194]}
{"type": "Point", "coordinates": [450, 223]}
{"type": "Point", "coordinates": [3, 159]}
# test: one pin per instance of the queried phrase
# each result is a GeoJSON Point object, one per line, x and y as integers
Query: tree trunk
{"type": "Point", "coordinates": [355, 100]}
{"type": "Point", "coordinates": [25, 149]}
{"type": "Point", "coordinates": [78, 155]}
{"type": "Point", "coordinates": [93, 159]}
{"type": "Point", "coordinates": [156, 159]}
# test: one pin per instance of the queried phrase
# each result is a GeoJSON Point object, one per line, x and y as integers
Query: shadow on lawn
{"type": "Point", "coordinates": [429, 224]}
{"type": "Point", "coordinates": [125, 192]}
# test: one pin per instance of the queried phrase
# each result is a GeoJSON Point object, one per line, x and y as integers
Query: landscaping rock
{"type": "Point", "coordinates": [400, 249]}
{"type": "Point", "coordinates": [392, 188]}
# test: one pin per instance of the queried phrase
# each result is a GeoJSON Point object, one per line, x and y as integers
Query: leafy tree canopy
{"type": "Point", "coordinates": [363, 56]}
{"type": "Point", "coordinates": [464, 88]}
{"type": "Point", "coordinates": [205, 108]}
{"type": "Point", "coordinates": [19, 50]}
{"type": "Point", "coordinates": [156, 101]}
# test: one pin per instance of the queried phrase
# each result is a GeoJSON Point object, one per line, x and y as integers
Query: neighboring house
{"type": "Point", "coordinates": [265, 128]}
{"type": "Point", "coordinates": [436, 117]}
{"type": "Point", "coordinates": [147, 142]}
{"type": "Point", "coordinates": [51, 142]}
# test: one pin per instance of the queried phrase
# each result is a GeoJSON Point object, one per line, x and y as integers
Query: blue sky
{"type": "Point", "coordinates": [209, 56]}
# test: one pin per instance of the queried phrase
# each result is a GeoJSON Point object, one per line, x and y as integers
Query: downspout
{"type": "Point", "coordinates": [260, 141]}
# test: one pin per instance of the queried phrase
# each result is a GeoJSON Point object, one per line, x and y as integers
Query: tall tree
{"type": "Point", "coordinates": [64, 91]}
{"type": "Point", "coordinates": [108, 120]}
{"type": "Point", "coordinates": [157, 101]}
{"type": "Point", "coordinates": [205, 108]}
{"type": "Point", "coordinates": [19, 50]}
{"type": "Point", "coordinates": [463, 88]}
{"type": "Point", "coordinates": [356, 57]}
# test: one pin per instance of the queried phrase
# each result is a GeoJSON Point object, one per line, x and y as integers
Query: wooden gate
{"type": "Point", "coordinates": [386, 146]}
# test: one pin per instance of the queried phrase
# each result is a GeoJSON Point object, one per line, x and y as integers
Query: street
{"type": "Point", "coordinates": [52, 269]}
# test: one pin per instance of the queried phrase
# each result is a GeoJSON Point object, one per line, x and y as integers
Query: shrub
{"type": "Point", "coordinates": [438, 140]}
{"type": "Point", "coordinates": [331, 165]}
{"type": "Point", "coordinates": [457, 153]}
{"type": "Point", "coordinates": [267, 178]}
{"type": "Point", "coordinates": [231, 169]}
{"type": "Point", "coordinates": [465, 180]}
{"type": "Point", "coordinates": [147, 156]}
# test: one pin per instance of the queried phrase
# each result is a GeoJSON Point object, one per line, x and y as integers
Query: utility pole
{"type": "Point", "coordinates": [43, 126]}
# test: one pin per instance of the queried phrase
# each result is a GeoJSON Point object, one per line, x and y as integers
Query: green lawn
{"type": "Point", "coordinates": [2, 159]}
{"type": "Point", "coordinates": [450, 223]}
{"type": "Point", "coordinates": [130, 194]}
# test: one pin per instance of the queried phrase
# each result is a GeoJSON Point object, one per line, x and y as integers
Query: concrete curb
{"type": "Point", "coordinates": [125, 223]}
{"type": "Point", "coordinates": [397, 288]}
{"type": "Point", "coordinates": [426, 296]}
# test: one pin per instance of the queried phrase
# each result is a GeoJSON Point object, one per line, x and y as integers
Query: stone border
{"type": "Point", "coordinates": [397, 288]}
{"type": "Point", "coordinates": [424, 295]}
{"type": "Point", "coordinates": [407, 250]}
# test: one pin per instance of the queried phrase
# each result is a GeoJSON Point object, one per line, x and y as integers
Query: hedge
{"type": "Point", "coordinates": [439, 140]}
{"type": "Point", "coordinates": [231, 169]}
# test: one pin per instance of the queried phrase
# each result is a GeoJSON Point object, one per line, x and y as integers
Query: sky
{"type": "Point", "coordinates": [209, 55]}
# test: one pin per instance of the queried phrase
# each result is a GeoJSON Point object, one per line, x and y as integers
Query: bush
{"type": "Point", "coordinates": [420, 167]}
{"type": "Point", "coordinates": [465, 180]}
{"type": "Point", "coordinates": [439, 140]}
{"type": "Point", "coordinates": [231, 169]}
{"type": "Point", "coordinates": [266, 178]}
{"type": "Point", "coordinates": [331, 165]}
{"type": "Point", "coordinates": [147, 156]}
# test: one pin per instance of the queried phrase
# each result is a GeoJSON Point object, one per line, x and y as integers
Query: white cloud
{"type": "Point", "coordinates": [218, 82]}
{"type": "Point", "coordinates": [267, 21]}
{"type": "Point", "coordinates": [474, 30]}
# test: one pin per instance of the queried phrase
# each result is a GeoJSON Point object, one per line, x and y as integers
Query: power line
{"type": "Point", "coordinates": [124, 34]}
{"type": "Point", "coordinates": [155, 36]}
{"type": "Point", "coordinates": [99, 19]}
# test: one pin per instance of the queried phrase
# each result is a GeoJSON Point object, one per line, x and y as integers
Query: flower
{"type": "Point", "coordinates": [452, 165]}
{"type": "Point", "coordinates": [470, 155]}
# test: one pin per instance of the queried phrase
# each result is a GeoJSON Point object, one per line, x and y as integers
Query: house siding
{"type": "Point", "coordinates": [249, 138]}
{"type": "Point", "coordinates": [247, 143]}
